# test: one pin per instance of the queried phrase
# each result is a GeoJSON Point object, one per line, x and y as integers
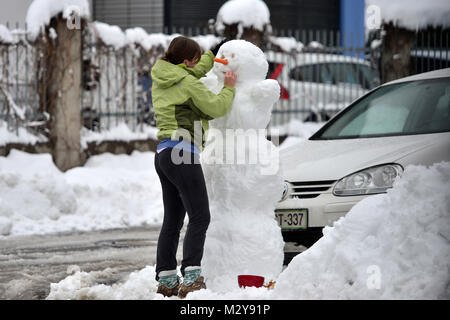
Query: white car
{"type": "Point", "coordinates": [361, 151]}
{"type": "Point", "coordinates": [318, 85]}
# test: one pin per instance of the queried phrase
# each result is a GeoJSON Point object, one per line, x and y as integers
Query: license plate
{"type": "Point", "coordinates": [289, 219]}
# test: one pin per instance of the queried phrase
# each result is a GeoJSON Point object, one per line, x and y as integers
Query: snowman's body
{"type": "Point", "coordinates": [243, 236]}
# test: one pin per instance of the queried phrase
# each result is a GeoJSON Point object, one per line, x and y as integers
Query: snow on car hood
{"type": "Point", "coordinates": [315, 160]}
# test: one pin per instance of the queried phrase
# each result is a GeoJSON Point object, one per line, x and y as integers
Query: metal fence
{"type": "Point", "coordinates": [316, 81]}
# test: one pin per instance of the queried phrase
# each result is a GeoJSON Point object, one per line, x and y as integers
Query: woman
{"type": "Point", "coordinates": [182, 106]}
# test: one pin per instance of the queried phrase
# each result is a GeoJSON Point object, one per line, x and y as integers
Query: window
{"type": "Point", "coordinates": [416, 107]}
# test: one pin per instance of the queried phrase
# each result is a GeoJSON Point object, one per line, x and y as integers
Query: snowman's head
{"type": "Point", "coordinates": [244, 58]}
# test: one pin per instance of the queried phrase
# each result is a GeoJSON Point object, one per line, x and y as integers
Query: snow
{"type": "Point", "coordinates": [110, 35]}
{"type": "Point", "coordinates": [246, 13]}
{"type": "Point", "coordinates": [110, 191]}
{"type": "Point", "coordinates": [22, 136]}
{"type": "Point", "coordinates": [147, 41]}
{"type": "Point", "coordinates": [242, 210]}
{"type": "Point", "coordinates": [119, 132]}
{"type": "Point", "coordinates": [40, 13]}
{"type": "Point", "coordinates": [287, 44]}
{"type": "Point", "coordinates": [389, 246]}
{"type": "Point", "coordinates": [414, 14]}
{"type": "Point", "coordinates": [296, 128]}
{"type": "Point", "coordinates": [5, 35]}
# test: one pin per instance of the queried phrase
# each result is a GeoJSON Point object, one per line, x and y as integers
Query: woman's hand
{"type": "Point", "coordinates": [230, 78]}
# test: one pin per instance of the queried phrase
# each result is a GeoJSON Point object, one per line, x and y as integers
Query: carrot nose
{"type": "Point", "coordinates": [224, 61]}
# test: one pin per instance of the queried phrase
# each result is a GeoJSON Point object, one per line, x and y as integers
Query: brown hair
{"type": "Point", "coordinates": [181, 48]}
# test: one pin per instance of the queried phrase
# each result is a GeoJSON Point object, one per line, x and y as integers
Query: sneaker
{"type": "Point", "coordinates": [192, 281]}
{"type": "Point", "coordinates": [169, 283]}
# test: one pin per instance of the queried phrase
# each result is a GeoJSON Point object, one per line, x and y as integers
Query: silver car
{"type": "Point", "coordinates": [361, 151]}
{"type": "Point", "coordinates": [318, 85]}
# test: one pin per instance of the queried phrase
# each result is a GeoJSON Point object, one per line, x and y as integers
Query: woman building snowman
{"type": "Point", "coordinates": [180, 101]}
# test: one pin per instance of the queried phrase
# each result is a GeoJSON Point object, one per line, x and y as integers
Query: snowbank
{"type": "Point", "coordinates": [21, 136]}
{"type": "Point", "coordinates": [40, 13]}
{"type": "Point", "coordinates": [120, 132]}
{"type": "Point", "coordinates": [414, 14]}
{"type": "Point", "coordinates": [110, 191]}
{"type": "Point", "coordinates": [246, 13]}
{"type": "Point", "coordinates": [390, 246]}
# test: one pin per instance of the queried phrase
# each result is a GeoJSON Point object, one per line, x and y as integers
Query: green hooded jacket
{"type": "Point", "coordinates": [182, 102]}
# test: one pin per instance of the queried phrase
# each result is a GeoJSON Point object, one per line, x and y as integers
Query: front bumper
{"type": "Point", "coordinates": [323, 210]}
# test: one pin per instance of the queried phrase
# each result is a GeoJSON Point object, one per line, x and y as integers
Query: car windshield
{"type": "Point", "coordinates": [407, 108]}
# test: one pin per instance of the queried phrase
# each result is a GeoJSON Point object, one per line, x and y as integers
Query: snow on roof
{"type": "Point", "coordinates": [40, 13]}
{"type": "Point", "coordinates": [413, 14]}
{"type": "Point", "coordinates": [248, 13]}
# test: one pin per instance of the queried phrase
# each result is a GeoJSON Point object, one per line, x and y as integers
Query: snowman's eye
{"type": "Point", "coordinates": [222, 57]}
{"type": "Point", "coordinates": [232, 55]}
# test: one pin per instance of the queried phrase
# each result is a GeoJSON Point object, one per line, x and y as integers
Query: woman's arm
{"type": "Point", "coordinates": [203, 66]}
{"type": "Point", "coordinates": [206, 101]}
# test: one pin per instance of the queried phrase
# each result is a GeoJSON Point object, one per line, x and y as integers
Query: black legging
{"type": "Point", "coordinates": [183, 190]}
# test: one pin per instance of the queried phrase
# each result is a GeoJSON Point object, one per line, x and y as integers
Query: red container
{"type": "Point", "coordinates": [250, 281]}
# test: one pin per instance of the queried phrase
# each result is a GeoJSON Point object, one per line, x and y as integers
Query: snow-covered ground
{"type": "Point", "coordinates": [390, 246]}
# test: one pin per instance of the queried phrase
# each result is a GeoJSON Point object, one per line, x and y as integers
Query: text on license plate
{"type": "Point", "coordinates": [292, 219]}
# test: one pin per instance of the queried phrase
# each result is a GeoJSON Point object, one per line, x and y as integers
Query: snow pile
{"type": "Point", "coordinates": [206, 42]}
{"type": "Point", "coordinates": [21, 136]}
{"type": "Point", "coordinates": [297, 128]}
{"type": "Point", "coordinates": [110, 35]}
{"type": "Point", "coordinates": [147, 41]}
{"type": "Point", "coordinates": [245, 13]}
{"type": "Point", "coordinates": [5, 35]}
{"type": "Point", "coordinates": [40, 12]}
{"type": "Point", "coordinates": [287, 44]}
{"type": "Point", "coordinates": [389, 246]}
{"type": "Point", "coordinates": [120, 132]}
{"type": "Point", "coordinates": [114, 36]}
{"type": "Point", "coordinates": [414, 14]}
{"type": "Point", "coordinates": [110, 191]}
{"type": "Point", "coordinates": [139, 285]}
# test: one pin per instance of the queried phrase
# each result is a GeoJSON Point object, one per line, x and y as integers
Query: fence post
{"type": "Point", "coordinates": [63, 63]}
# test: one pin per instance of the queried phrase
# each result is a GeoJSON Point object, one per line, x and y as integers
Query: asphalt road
{"type": "Point", "coordinates": [28, 264]}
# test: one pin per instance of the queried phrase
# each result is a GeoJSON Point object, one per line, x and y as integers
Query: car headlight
{"type": "Point", "coordinates": [368, 181]}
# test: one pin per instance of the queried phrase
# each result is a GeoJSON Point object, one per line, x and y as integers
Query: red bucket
{"type": "Point", "coordinates": [250, 281]}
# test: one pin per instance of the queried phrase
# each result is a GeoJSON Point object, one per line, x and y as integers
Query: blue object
{"type": "Point", "coordinates": [176, 144]}
{"type": "Point", "coordinates": [353, 25]}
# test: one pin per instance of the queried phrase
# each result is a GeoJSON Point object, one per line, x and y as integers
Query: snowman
{"type": "Point", "coordinates": [243, 236]}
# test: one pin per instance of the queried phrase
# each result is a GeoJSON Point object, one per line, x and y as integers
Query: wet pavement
{"type": "Point", "coordinates": [28, 264]}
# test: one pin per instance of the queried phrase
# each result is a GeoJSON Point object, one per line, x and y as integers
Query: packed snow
{"type": "Point", "coordinates": [242, 210]}
{"type": "Point", "coordinates": [5, 35]}
{"type": "Point", "coordinates": [40, 13]}
{"type": "Point", "coordinates": [21, 135]}
{"type": "Point", "coordinates": [246, 13]}
{"type": "Point", "coordinates": [389, 246]}
{"type": "Point", "coordinates": [110, 191]}
{"type": "Point", "coordinates": [414, 14]}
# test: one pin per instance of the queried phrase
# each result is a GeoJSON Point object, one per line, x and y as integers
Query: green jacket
{"type": "Point", "coordinates": [181, 101]}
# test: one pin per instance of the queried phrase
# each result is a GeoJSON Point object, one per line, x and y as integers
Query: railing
{"type": "Point", "coordinates": [318, 77]}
